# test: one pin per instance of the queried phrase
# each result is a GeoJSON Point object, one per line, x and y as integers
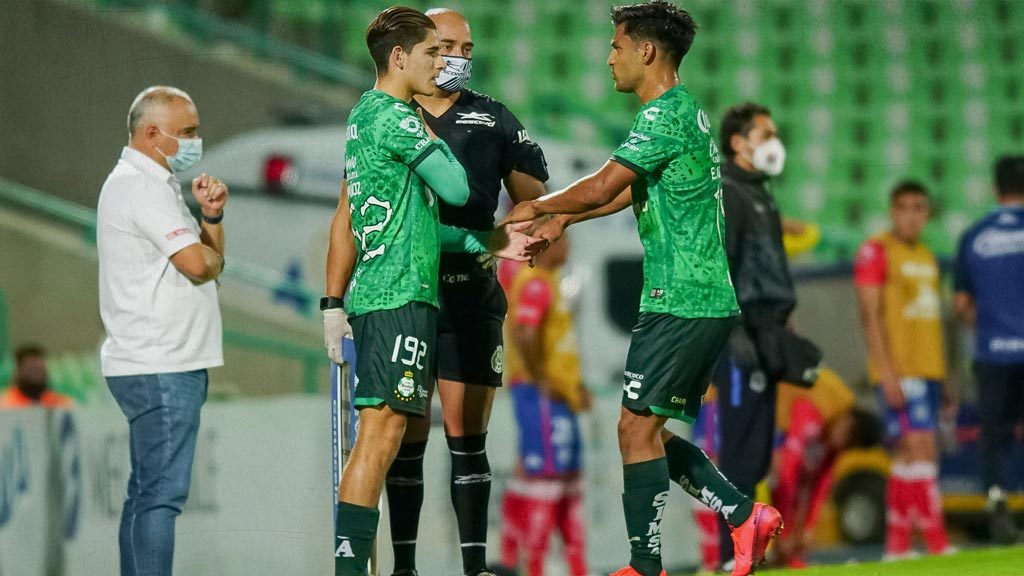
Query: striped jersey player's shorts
{"type": "Point", "coordinates": [920, 411]}
{"type": "Point", "coordinates": [549, 435]}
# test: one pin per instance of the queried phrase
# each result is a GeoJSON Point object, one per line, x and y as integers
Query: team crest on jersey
{"type": "Point", "coordinates": [406, 387]}
{"type": "Point", "coordinates": [475, 118]}
{"type": "Point", "coordinates": [498, 360]}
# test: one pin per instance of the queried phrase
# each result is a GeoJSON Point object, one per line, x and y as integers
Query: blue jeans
{"type": "Point", "coordinates": [163, 419]}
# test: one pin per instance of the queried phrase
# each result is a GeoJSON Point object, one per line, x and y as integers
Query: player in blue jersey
{"type": "Point", "coordinates": [989, 283]}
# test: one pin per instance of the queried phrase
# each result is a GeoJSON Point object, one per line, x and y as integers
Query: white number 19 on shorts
{"type": "Point", "coordinates": [415, 348]}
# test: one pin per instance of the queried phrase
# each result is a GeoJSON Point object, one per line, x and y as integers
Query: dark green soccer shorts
{"type": "Point", "coordinates": [395, 360]}
{"type": "Point", "coordinates": [669, 364]}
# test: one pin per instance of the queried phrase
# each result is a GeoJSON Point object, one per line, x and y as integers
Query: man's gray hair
{"type": "Point", "coordinates": [441, 11]}
{"type": "Point", "coordinates": [149, 99]}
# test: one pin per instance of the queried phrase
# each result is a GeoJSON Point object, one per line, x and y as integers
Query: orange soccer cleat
{"type": "Point", "coordinates": [751, 539]}
{"type": "Point", "coordinates": [630, 571]}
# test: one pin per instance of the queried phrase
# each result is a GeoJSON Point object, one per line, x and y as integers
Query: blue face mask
{"type": "Point", "coordinates": [190, 150]}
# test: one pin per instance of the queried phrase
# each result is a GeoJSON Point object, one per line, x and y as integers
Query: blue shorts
{"type": "Point", "coordinates": [705, 429]}
{"type": "Point", "coordinates": [549, 434]}
{"type": "Point", "coordinates": [920, 411]}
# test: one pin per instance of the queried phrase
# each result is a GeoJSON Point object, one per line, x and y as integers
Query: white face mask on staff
{"type": "Point", "coordinates": [769, 157]}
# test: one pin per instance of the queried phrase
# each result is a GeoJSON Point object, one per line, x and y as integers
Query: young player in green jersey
{"type": "Point", "coordinates": [384, 251]}
{"type": "Point", "coordinates": [668, 170]}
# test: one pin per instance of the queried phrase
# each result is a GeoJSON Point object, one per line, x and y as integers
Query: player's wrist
{"type": "Point", "coordinates": [332, 303]}
{"type": "Point", "coordinates": [212, 216]}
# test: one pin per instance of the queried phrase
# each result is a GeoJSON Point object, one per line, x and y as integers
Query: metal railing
{"type": "Point", "coordinates": [247, 273]}
{"type": "Point", "coordinates": [207, 28]}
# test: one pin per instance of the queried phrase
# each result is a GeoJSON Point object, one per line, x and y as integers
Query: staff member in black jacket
{"type": "Point", "coordinates": [755, 360]}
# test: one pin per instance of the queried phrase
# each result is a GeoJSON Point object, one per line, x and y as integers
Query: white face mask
{"type": "Point", "coordinates": [455, 74]}
{"type": "Point", "coordinates": [769, 157]}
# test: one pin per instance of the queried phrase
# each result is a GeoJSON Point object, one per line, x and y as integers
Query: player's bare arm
{"type": "Point", "coordinates": [963, 306]}
{"type": "Point", "coordinates": [588, 193]}
{"type": "Point", "coordinates": [341, 260]}
{"type": "Point", "coordinates": [341, 252]}
{"type": "Point", "coordinates": [531, 348]}
{"type": "Point", "coordinates": [522, 187]}
{"type": "Point", "coordinates": [553, 229]}
{"type": "Point", "coordinates": [869, 298]}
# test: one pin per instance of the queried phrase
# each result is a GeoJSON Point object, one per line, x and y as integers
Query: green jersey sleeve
{"type": "Point", "coordinates": [443, 173]}
{"type": "Point", "coordinates": [402, 135]}
{"type": "Point", "coordinates": [649, 147]}
{"type": "Point", "coordinates": [455, 239]}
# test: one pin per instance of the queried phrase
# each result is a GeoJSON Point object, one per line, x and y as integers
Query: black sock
{"type": "Point", "coordinates": [355, 530]}
{"type": "Point", "coordinates": [645, 492]}
{"type": "Point", "coordinates": [404, 484]}
{"type": "Point", "coordinates": [690, 467]}
{"type": "Point", "coordinates": [471, 492]}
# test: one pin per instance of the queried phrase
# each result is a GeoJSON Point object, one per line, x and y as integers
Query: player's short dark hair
{"type": "Point", "coordinates": [668, 26]}
{"type": "Point", "coordinates": [1010, 175]}
{"type": "Point", "coordinates": [28, 351]}
{"type": "Point", "coordinates": [396, 26]}
{"type": "Point", "coordinates": [738, 119]}
{"type": "Point", "coordinates": [866, 431]}
{"type": "Point", "coordinates": [907, 187]}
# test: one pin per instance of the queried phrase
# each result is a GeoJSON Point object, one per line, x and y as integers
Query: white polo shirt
{"type": "Point", "coordinates": [156, 319]}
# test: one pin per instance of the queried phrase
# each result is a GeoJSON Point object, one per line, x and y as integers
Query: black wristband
{"type": "Point", "coordinates": [214, 219]}
{"type": "Point", "coordinates": [330, 302]}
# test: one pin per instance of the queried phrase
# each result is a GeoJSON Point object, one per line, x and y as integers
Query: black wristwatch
{"type": "Point", "coordinates": [329, 302]}
{"type": "Point", "coordinates": [213, 219]}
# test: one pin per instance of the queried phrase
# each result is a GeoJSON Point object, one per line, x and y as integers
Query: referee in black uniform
{"type": "Point", "coordinates": [493, 147]}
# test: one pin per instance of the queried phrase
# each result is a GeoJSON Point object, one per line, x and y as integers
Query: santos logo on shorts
{"type": "Point", "coordinates": [406, 387]}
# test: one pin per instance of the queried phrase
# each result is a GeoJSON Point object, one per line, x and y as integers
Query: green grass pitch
{"type": "Point", "coordinates": [987, 562]}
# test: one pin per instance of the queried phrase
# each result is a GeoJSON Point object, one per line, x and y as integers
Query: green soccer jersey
{"type": "Point", "coordinates": [394, 214]}
{"type": "Point", "coordinates": [677, 198]}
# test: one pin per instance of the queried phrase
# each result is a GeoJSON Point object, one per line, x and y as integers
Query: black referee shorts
{"type": "Point", "coordinates": [469, 328]}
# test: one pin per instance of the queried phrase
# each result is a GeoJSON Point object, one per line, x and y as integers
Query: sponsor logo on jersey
{"type": "Point", "coordinates": [650, 112]}
{"type": "Point", "coordinates": [678, 400]}
{"type": "Point", "coordinates": [476, 119]}
{"type": "Point", "coordinates": [406, 387]}
{"type": "Point", "coordinates": [657, 293]}
{"type": "Point", "coordinates": [702, 122]}
{"type": "Point", "coordinates": [993, 242]}
{"type": "Point", "coordinates": [522, 137]}
{"type": "Point", "coordinates": [410, 125]}
{"type": "Point", "coordinates": [1006, 345]}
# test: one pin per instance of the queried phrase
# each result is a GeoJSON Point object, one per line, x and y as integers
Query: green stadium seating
{"type": "Point", "coordinates": [865, 92]}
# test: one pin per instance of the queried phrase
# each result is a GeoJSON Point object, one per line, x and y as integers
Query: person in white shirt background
{"type": "Point", "coordinates": [158, 303]}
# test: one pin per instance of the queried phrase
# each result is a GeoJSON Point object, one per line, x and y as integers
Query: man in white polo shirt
{"type": "Point", "coordinates": [159, 307]}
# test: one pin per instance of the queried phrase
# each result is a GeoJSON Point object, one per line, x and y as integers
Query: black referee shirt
{"type": "Point", "coordinates": [490, 143]}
